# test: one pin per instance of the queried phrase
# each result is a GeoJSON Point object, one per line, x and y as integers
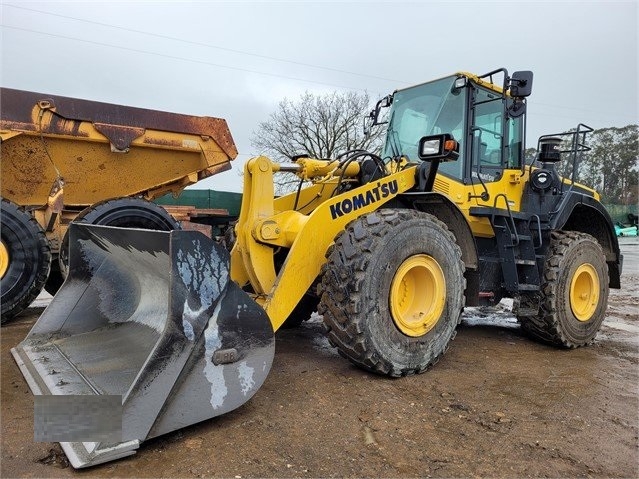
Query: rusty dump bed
{"type": "Point", "coordinates": [103, 150]}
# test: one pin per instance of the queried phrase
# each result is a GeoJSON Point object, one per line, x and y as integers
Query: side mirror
{"type": "Point", "coordinates": [372, 119]}
{"type": "Point", "coordinates": [369, 120]}
{"type": "Point", "coordinates": [516, 107]}
{"type": "Point", "coordinates": [438, 147]}
{"type": "Point", "coordinates": [382, 103]}
{"type": "Point", "coordinates": [521, 84]}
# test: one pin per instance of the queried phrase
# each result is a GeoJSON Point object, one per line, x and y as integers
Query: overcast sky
{"type": "Point", "coordinates": [238, 60]}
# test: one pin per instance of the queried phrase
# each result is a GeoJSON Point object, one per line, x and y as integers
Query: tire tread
{"type": "Point", "coordinates": [14, 305]}
{"type": "Point", "coordinates": [547, 325]}
{"type": "Point", "coordinates": [343, 277]}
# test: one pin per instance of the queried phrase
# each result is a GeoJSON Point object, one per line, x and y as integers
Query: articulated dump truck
{"type": "Point", "coordinates": [66, 159]}
{"type": "Point", "coordinates": [157, 330]}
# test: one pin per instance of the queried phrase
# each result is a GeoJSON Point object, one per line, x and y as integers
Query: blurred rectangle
{"type": "Point", "coordinates": [77, 418]}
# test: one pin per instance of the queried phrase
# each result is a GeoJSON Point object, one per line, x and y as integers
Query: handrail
{"type": "Point", "coordinates": [541, 239]}
{"type": "Point", "coordinates": [510, 216]}
{"type": "Point", "coordinates": [577, 147]}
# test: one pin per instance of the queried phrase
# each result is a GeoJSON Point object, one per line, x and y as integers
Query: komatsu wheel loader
{"type": "Point", "coordinates": [160, 330]}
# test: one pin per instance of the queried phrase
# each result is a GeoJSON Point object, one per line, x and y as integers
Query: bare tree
{"type": "Point", "coordinates": [316, 126]}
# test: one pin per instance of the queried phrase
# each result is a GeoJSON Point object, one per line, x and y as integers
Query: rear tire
{"type": "Point", "coordinates": [574, 292]}
{"type": "Point", "coordinates": [25, 262]}
{"type": "Point", "coordinates": [392, 291]}
{"type": "Point", "coordinates": [124, 213]}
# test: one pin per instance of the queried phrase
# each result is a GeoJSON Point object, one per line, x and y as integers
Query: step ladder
{"type": "Point", "coordinates": [517, 245]}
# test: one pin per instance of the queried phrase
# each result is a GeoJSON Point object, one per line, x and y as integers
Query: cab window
{"type": "Point", "coordinates": [428, 109]}
{"type": "Point", "coordinates": [489, 133]}
{"type": "Point", "coordinates": [488, 128]}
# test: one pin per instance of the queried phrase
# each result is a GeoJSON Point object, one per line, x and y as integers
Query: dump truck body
{"type": "Point", "coordinates": [62, 156]}
{"type": "Point", "coordinates": [103, 150]}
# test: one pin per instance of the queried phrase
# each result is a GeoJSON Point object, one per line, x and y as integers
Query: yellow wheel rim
{"type": "Point", "coordinates": [417, 295]}
{"type": "Point", "coordinates": [584, 292]}
{"type": "Point", "coordinates": [4, 259]}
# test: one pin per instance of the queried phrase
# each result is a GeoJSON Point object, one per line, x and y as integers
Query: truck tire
{"type": "Point", "coordinates": [574, 292]}
{"type": "Point", "coordinates": [55, 279]}
{"type": "Point", "coordinates": [392, 291]}
{"type": "Point", "coordinates": [25, 260]}
{"type": "Point", "coordinates": [122, 212]}
{"type": "Point", "coordinates": [228, 238]}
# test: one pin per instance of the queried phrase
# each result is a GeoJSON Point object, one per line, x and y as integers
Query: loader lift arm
{"type": "Point", "coordinates": [267, 223]}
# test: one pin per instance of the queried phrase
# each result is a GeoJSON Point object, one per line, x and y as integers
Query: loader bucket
{"type": "Point", "coordinates": [147, 335]}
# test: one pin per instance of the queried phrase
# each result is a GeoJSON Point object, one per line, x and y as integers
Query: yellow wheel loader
{"type": "Point", "coordinates": [160, 330]}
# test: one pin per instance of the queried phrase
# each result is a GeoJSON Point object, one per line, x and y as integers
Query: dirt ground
{"type": "Point", "coordinates": [498, 404]}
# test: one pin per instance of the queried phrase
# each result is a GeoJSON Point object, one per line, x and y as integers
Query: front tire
{"type": "Point", "coordinates": [392, 291]}
{"type": "Point", "coordinates": [25, 260]}
{"type": "Point", "coordinates": [121, 212]}
{"type": "Point", "coordinates": [574, 292]}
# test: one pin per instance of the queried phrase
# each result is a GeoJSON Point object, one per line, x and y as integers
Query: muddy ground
{"type": "Point", "coordinates": [498, 404]}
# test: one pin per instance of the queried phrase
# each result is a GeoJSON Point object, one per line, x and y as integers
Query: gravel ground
{"type": "Point", "coordinates": [498, 404]}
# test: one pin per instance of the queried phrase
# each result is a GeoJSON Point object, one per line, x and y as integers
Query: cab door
{"type": "Point", "coordinates": [496, 150]}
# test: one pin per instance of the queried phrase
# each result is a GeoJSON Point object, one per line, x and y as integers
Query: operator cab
{"type": "Point", "coordinates": [486, 119]}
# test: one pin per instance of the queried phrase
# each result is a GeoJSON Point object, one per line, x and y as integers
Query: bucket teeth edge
{"type": "Point", "coordinates": [80, 457]}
